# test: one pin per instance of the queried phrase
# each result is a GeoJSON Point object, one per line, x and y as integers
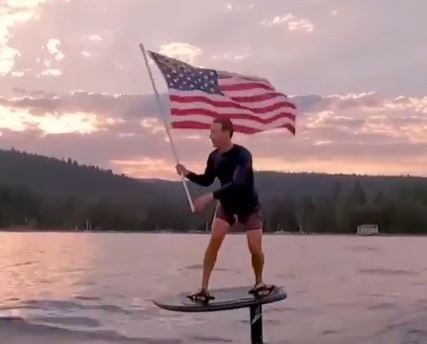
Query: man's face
{"type": "Point", "coordinates": [218, 136]}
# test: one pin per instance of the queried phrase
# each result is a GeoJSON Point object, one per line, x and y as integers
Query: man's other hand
{"type": "Point", "coordinates": [201, 202]}
{"type": "Point", "coordinates": [180, 169]}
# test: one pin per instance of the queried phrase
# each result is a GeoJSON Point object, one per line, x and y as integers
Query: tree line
{"type": "Point", "coordinates": [44, 193]}
{"type": "Point", "coordinates": [401, 212]}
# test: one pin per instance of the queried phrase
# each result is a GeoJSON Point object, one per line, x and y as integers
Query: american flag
{"type": "Point", "coordinates": [198, 95]}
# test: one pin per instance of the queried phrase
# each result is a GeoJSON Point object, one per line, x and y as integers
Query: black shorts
{"type": "Point", "coordinates": [249, 219]}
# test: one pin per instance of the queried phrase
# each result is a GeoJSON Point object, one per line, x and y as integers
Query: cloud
{"type": "Point", "coordinates": [371, 106]}
{"type": "Point", "coordinates": [181, 51]}
{"type": "Point", "coordinates": [12, 13]}
{"type": "Point", "coordinates": [50, 72]}
{"type": "Point", "coordinates": [337, 133]}
{"type": "Point", "coordinates": [53, 46]}
{"type": "Point", "coordinates": [50, 123]}
{"type": "Point", "coordinates": [94, 37]}
{"type": "Point", "coordinates": [239, 7]}
{"type": "Point", "coordinates": [293, 23]}
{"type": "Point", "coordinates": [144, 167]}
{"type": "Point", "coordinates": [232, 56]}
{"type": "Point", "coordinates": [102, 54]}
{"type": "Point", "coordinates": [7, 59]}
{"type": "Point", "coordinates": [114, 106]}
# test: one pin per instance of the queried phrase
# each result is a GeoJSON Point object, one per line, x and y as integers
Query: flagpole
{"type": "Point", "coordinates": [141, 46]}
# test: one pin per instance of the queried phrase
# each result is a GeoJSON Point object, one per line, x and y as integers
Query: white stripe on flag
{"type": "Point", "coordinates": [229, 110]}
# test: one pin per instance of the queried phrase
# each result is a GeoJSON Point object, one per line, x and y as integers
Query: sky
{"type": "Point", "coordinates": [73, 82]}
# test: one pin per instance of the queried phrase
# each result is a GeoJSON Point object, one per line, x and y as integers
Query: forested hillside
{"type": "Point", "coordinates": [43, 192]}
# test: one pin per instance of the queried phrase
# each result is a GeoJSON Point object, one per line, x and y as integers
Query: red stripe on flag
{"type": "Point", "coordinates": [190, 99]}
{"type": "Point", "coordinates": [237, 127]}
{"type": "Point", "coordinates": [214, 114]}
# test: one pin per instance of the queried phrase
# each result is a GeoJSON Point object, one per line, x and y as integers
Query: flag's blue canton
{"type": "Point", "coordinates": [184, 77]}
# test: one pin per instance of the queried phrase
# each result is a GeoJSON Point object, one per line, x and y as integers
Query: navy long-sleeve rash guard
{"type": "Point", "coordinates": [234, 170]}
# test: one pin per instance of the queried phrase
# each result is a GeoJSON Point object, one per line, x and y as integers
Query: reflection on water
{"type": "Point", "coordinates": [98, 288]}
{"type": "Point", "coordinates": [33, 264]}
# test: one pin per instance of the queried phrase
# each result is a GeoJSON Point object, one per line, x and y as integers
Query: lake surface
{"type": "Point", "coordinates": [99, 287]}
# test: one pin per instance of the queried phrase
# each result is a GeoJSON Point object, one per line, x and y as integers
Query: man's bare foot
{"type": "Point", "coordinates": [201, 296]}
{"type": "Point", "coordinates": [261, 289]}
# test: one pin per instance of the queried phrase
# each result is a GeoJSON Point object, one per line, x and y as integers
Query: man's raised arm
{"type": "Point", "coordinates": [205, 179]}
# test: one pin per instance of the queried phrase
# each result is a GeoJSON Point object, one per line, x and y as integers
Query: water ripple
{"type": "Point", "coordinates": [379, 271]}
{"type": "Point", "coordinates": [11, 326]}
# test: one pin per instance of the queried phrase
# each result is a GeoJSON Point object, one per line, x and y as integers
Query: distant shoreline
{"type": "Point", "coordinates": [58, 230]}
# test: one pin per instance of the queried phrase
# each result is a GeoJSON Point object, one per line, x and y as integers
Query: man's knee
{"type": "Point", "coordinates": [254, 241]}
{"type": "Point", "coordinates": [214, 245]}
{"type": "Point", "coordinates": [219, 229]}
{"type": "Point", "coordinates": [256, 252]}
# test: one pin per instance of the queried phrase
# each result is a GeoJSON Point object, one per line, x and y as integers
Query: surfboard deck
{"type": "Point", "coordinates": [225, 299]}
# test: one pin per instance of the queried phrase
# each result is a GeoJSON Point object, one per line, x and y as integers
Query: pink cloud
{"type": "Point", "coordinates": [337, 133]}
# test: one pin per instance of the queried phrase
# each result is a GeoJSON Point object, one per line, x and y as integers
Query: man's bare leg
{"type": "Point", "coordinates": [254, 237]}
{"type": "Point", "coordinates": [219, 230]}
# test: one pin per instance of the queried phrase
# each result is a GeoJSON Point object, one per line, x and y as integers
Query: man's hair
{"type": "Point", "coordinates": [226, 125]}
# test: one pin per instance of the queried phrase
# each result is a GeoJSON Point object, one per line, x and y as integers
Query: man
{"type": "Point", "coordinates": [237, 201]}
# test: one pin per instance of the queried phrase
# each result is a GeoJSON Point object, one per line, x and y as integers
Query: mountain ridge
{"type": "Point", "coordinates": [74, 193]}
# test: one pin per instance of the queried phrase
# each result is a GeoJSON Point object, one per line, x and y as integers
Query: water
{"type": "Point", "coordinates": [98, 288]}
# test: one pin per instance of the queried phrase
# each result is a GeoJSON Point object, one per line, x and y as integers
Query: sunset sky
{"type": "Point", "coordinates": [73, 83]}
